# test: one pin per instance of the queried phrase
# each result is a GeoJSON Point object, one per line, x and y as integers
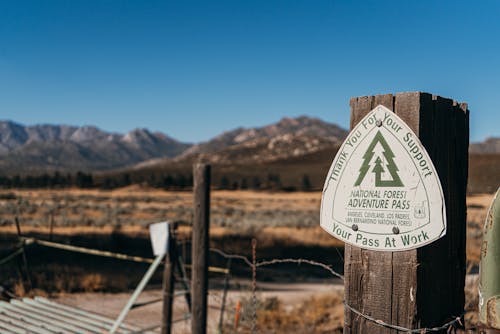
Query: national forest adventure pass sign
{"type": "Point", "coordinates": [382, 191]}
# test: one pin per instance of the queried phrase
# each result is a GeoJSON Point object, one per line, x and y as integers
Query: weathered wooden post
{"type": "Point", "coordinates": [405, 246]}
{"type": "Point", "coordinates": [201, 224]}
{"type": "Point", "coordinates": [169, 282]}
{"type": "Point", "coordinates": [24, 264]}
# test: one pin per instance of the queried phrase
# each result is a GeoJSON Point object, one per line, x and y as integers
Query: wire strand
{"type": "Point", "coordinates": [377, 322]}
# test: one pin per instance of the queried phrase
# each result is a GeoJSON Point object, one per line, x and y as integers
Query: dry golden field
{"type": "Point", "coordinates": [291, 217]}
{"type": "Point", "coordinates": [135, 206]}
{"type": "Point", "coordinates": [285, 225]}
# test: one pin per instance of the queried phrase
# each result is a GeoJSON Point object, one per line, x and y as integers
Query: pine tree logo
{"type": "Point", "coordinates": [378, 154]}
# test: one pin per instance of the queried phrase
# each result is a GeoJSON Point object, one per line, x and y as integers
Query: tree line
{"type": "Point", "coordinates": [175, 181]}
{"type": "Point", "coordinates": [55, 180]}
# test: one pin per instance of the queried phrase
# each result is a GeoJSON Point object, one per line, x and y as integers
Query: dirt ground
{"type": "Point", "coordinates": [314, 307]}
{"type": "Point", "coordinates": [290, 295]}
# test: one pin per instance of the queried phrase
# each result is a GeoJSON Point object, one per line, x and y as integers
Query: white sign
{"type": "Point", "coordinates": [158, 233]}
{"type": "Point", "coordinates": [382, 191]}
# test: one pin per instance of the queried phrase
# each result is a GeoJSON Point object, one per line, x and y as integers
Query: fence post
{"type": "Point", "coordinates": [199, 273]}
{"type": "Point", "coordinates": [169, 282]}
{"type": "Point", "coordinates": [422, 287]}
{"type": "Point", "coordinates": [24, 264]}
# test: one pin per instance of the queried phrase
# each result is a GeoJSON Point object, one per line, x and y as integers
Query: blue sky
{"type": "Point", "coordinates": [193, 69]}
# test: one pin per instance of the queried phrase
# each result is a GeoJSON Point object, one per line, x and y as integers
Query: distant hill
{"type": "Point", "coordinates": [46, 148]}
{"type": "Point", "coordinates": [490, 145]}
{"type": "Point", "coordinates": [32, 149]}
{"type": "Point", "coordinates": [300, 132]}
{"type": "Point", "coordinates": [292, 154]}
{"type": "Point", "coordinates": [290, 137]}
{"type": "Point", "coordinates": [303, 172]}
{"type": "Point", "coordinates": [254, 165]}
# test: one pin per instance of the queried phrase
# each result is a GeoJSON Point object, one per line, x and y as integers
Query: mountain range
{"type": "Point", "coordinates": [31, 149]}
{"type": "Point", "coordinates": [45, 148]}
{"type": "Point", "coordinates": [26, 149]}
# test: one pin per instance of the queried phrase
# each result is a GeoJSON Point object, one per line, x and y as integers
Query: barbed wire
{"type": "Point", "coordinates": [300, 261]}
{"type": "Point", "coordinates": [232, 256]}
{"type": "Point", "coordinates": [377, 322]}
{"type": "Point", "coordinates": [97, 252]}
{"type": "Point", "coordinates": [253, 266]}
{"type": "Point", "coordinates": [404, 329]}
{"type": "Point", "coordinates": [277, 261]}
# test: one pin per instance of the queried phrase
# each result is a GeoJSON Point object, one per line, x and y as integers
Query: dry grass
{"type": "Point", "coordinates": [323, 314]}
{"type": "Point", "coordinates": [292, 218]}
{"type": "Point", "coordinates": [132, 206]}
{"type": "Point", "coordinates": [316, 314]}
{"type": "Point", "coordinates": [284, 218]}
{"type": "Point", "coordinates": [278, 220]}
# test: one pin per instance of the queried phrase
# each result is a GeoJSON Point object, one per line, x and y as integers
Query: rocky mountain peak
{"type": "Point", "coordinates": [286, 132]}
{"type": "Point", "coordinates": [90, 148]}
{"type": "Point", "coordinates": [85, 148]}
{"type": "Point", "coordinates": [87, 133]}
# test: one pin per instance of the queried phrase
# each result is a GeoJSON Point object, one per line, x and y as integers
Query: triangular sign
{"type": "Point", "coordinates": [382, 191]}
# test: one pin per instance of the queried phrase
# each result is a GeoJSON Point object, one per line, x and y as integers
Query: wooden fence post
{"type": "Point", "coordinates": [199, 273]}
{"type": "Point", "coordinates": [422, 287]}
{"type": "Point", "coordinates": [169, 282]}
{"type": "Point", "coordinates": [24, 264]}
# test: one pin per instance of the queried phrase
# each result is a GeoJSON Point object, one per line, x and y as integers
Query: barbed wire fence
{"type": "Point", "coordinates": [251, 304]}
{"type": "Point", "coordinates": [255, 265]}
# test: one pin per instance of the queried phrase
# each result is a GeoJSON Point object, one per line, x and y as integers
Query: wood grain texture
{"type": "Point", "coordinates": [168, 285]}
{"type": "Point", "coordinates": [201, 224]}
{"type": "Point", "coordinates": [423, 287]}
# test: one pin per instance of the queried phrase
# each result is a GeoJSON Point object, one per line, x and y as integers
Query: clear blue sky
{"type": "Point", "coordinates": [192, 69]}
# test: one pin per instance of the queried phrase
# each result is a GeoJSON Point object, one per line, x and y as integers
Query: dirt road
{"type": "Point", "coordinates": [289, 295]}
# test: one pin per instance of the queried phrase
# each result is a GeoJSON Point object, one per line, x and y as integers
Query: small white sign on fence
{"type": "Point", "coordinates": [158, 233]}
{"type": "Point", "coordinates": [382, 191]}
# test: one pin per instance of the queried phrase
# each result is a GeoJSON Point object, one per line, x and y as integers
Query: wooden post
{"type": "Point", "coordinates": [422, 287]}
{"type": "Point", "coordinates": [24, 264]}
{"type": "Point", "coordinates": [201, 223]}
{"type": "Point", "coordinates": [169, 283]}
